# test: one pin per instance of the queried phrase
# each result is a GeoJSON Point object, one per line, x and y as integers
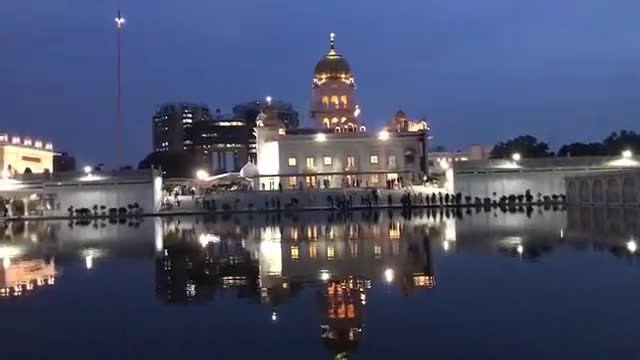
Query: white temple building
{"type": "Point", "coordinates": [339, 151]}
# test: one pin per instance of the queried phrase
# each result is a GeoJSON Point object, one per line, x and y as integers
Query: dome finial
{"type": "Point", "coordinates": [332, 38]}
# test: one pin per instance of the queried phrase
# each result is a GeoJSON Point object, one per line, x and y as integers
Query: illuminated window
{"type": "Point", "coordinates": [331, 252]}
{"type": "Point", "coordinates": [292, 182]}
{"type": "Point", "coordinates": [335, 102]}
{"type": "Point", "coordinates": [292, 161]}
{"type": "Point", "coordinates": [295, 252]}
{"type": "Point", "coordinates": [15, 140]}
{"type": "Point", "coordinates": [343, 99]}
{"type": "Point", "coordinates": [373, 180]}
{"type": "Point", "coordinates": [351, 311]}
{"type": "Point", "coordinates": [351, 160]}
{"type": "Point", "coordinates": [325, 101]}
{"type": "Point", "coordinates": [327, 160]}
{"type": "Point", "coordinates": [310, 181]}
{"type": "Point", "coordinates": [344, 119]}
{"type": "Point", "coordinates": [28, 142]}
{"type": "Point", "coordinates": [334, 120]}
{"type": "Point", "coordinates": [377, 251]}
{"type": "Point", "coordinates": [373, 159]}
{"type": "Point", "coordinates": [394, 231]}
{"type": "Point", "coordinates": [392, 160]}
{"type": "Point", "coordinates": [325, 122]}
{"type": "Point", "coordinates": [338, 130]}
{"type": "Point", "coordinates": [313, 251]}
{"type": "Point", "coordinates": [38, 144]}
{"type": "Point", "coordinates": [310, 162]}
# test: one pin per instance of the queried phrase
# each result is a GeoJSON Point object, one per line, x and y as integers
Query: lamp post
{"type": "Point", "coordinates": [516, 157]}
{"type": "Point", "coordinates": [120, 21]}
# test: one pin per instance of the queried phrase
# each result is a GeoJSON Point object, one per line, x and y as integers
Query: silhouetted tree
{"type": "Point", "coordinates": [527, 146]}
{"type": "Point", "coordinates": [582, 149]}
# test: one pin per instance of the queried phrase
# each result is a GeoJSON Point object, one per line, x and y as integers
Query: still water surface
{"type": "Point", "coordinates": [369, 285]}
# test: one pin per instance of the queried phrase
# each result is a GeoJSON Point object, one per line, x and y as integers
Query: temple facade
{"type": "Point", "coordinates": [339, 150]}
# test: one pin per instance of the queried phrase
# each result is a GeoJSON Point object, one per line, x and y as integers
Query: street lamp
{"type": "Point", "coordinates": [627, 154]}
{"type": "Point", "coordinates": [632, 246]}
{"type": "Point", "coordinates": [87, 169]}
{"type": "Point", "coordinates": [202, 174]}
{"type": "Point", "coordinates": [321, 137]}
{"type": "Point", "coordinates": [269, 98]}
{"type": "Point", "coordinates": [516, 157]}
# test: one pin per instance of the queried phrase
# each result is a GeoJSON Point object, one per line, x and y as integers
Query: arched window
{"type": "Point", "coordinates": [325, 102]}
{"type": "Point", "coordinates": [325, 122]}
{"type": "Point", "coordinates": [344, 119]}
{"type": "Point", "coordinates": [363, 128]}
{"type": "Point", "coordinates": [334, 101]}
{"type": "Point", "coordinates": [338, 129]}
{"type": "Point", "coordinates": [343, 100]}
{"type": "Point", "coordinates": [334, 120]}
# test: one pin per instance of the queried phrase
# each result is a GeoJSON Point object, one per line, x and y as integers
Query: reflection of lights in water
{"type": "Point", "coordinates": [90, 255]}
{"type": "Point", "coordinates": [6, 262]}
{"type": "Point", "coordinates": [274, 316]}
{"type": "Point", "coordinates": [9, 251]}
{"type": "Point", "coordinates": [520, 249]}
{"type": "Point", "coordinates": [445, 245]}
{"type": "Point", "coordinates": [561, 233]}
{"type": "Point", "coordinates": [89, 261]}
{"type": "Point", "coordinates": [388, 275]}
{"type": "Point", "coordinates": [632, 246]}
{"type": "Point", "coordinates": [205, 239]}
{"type": "Point", "coordinates": [325, 275]}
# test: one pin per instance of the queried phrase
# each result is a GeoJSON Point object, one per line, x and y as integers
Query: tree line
{"type": "Point", "coordinates": [530, 147]}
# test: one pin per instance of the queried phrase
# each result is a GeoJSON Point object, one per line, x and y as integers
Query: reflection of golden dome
{"type": "Point", "coordinates": [333, 65]}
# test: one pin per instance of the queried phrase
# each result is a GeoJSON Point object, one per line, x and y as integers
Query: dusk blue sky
{"type": "Point", "coordinates": [481, 71]}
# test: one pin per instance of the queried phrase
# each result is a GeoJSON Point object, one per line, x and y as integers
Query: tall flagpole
{"type": "Point", "coordinates": [120, 21]}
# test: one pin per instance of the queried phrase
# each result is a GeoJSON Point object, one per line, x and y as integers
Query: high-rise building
{"type": "Point", "coordinates": [333, 102]}
{"type": "Point", "coordinates": [281, 110]}
{"type": "Point", "coordinates": [172, 124]}
{"type": "Point", "coordinates": [221, 144]}
{"type": "Point", "coordinates": [217, 142]}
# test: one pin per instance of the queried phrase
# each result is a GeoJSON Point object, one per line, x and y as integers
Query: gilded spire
{"type": "Point", "coordinates": [332, 43]}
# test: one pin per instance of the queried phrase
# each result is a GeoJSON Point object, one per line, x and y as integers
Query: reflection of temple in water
{"type": "Point", "coordinates": [342, 304]}
{"type": "Point", "coordinates": [275, 262]}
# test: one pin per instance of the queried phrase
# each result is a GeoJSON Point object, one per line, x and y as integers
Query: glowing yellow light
{"type": "Point", "coordinates": [383, 135]}
{"type": "Point", "coordinates": [202, 174]}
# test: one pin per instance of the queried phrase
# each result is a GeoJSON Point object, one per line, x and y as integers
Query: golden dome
{"type": "Point", "coordinates": [333, 65]}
